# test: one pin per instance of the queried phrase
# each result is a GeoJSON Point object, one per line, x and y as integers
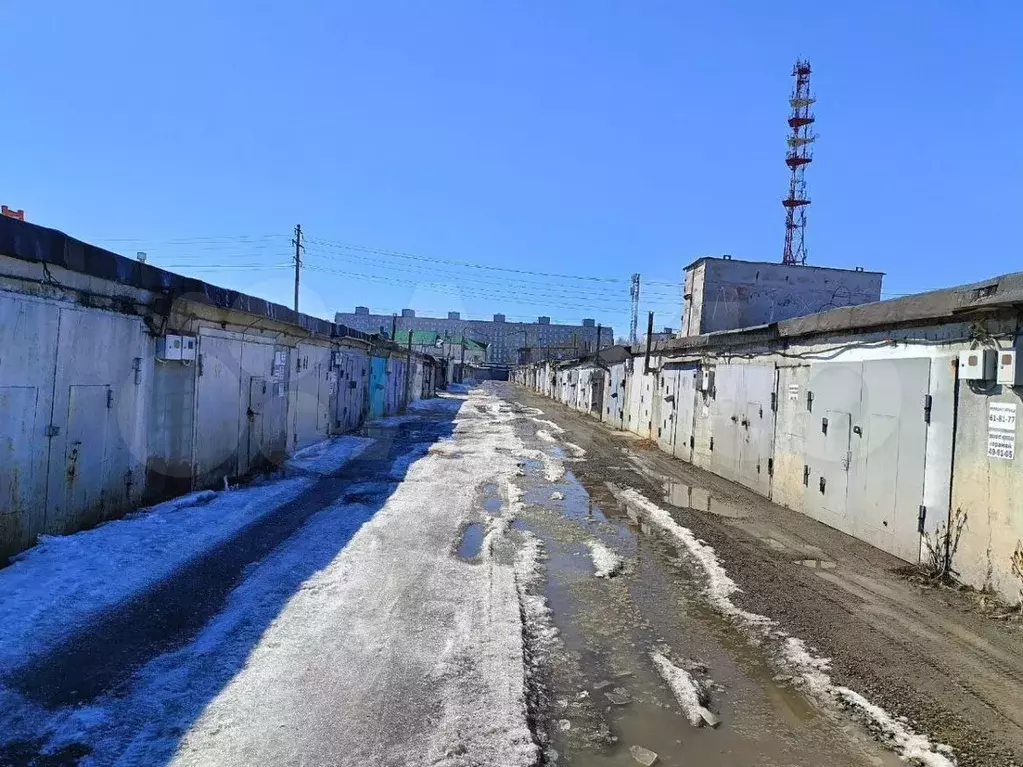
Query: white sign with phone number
{"type": "Point", "coordinates": [1001, 430]}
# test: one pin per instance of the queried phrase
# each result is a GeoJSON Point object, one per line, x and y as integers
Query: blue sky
{"type": "Point", "coordinates": [580, 137]}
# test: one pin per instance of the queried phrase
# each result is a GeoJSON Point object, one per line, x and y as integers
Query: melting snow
{"type": "Point", "coordinates": [687, 691]}
{"type": "Point", "coordinates": [606, 563]}
{"type": "Point", "coordinates": [65, 582]}
{"type": "Point", "coordinates": [812, 670]}
{"type": "Point", "coordinates": [551, 426]}
{"type": "Point", "coordinates": [330, 456]}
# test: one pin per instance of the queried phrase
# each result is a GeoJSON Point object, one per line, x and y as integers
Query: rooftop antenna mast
{"type": "Point", "coordinates": [633, 324]}
{"type": "Point", "coordinates": [798, 157]}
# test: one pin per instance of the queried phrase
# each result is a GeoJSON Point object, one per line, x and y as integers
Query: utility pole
{"type": "Point", "coordinates": [599, 328]}
{"type": "Point", "coordinates": [633, 325]}
{"type": "Point", "coordinates": [461, 365]}
{"type": "Point", "coordinates": [649, 340]}
{"type": "Point", "coordinates": [408, 368]}
{"type": "Point", "coordinates": [297, 242]}
{"type": "Point", "coordinates": [394, 326]}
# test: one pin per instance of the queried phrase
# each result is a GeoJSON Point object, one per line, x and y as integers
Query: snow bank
{"type": "Point", "coordinates": [570, 447]}
{"type": "Point", "coordinates": [793, 655]}
{"type": "Point", "coordinates": [553, 469]}
{"type": "Point", "coordinates": [606, 563]}
{"type": "Point", "coordinates": [687, 691]}
{"type": "Point", "coordinates": [720, 587]}
{"type": "Point", "coordinates": [54, 589]}
{"type": "Point", "coordinates": [895, 734]}
{"type": "Point", "coordinates": [329, 456]}
{"type": "Point", "coordinates": [574, 449]}
{"type": "Point", "coordinates": [551, 426]}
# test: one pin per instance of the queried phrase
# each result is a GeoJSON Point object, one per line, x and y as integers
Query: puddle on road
{"type": "Point", "coordinates": [683, 496]}
{"type": "Point", "coordinates": [493, 503]}
{"type": "Point", "coordinates": [471, 541]}
{"type": "Point", "coordinates": [606, 694]}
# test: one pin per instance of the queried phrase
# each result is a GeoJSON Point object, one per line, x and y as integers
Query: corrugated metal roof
{"type": "Point", "coordinates": [432, 338]}
{"type": "Point", "coordinates": [419, 337]}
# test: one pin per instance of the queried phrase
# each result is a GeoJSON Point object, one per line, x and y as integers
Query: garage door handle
{"type": "Point", "coordinates": [857, 430]}
{"type": "Point", "coordinates": [734, 419]}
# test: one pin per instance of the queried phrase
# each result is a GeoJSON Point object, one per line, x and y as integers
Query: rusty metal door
{"type": "Point", "coordinates": [28, 338]}
{"type": "Point", "coordinates": [729, 412]}
{"type": "Point", "coordinates": [258, 397]}
{"type": "Point", "coordinates": [685, 408]}
{"type": "Point", "coordinates": [22, 480]}
{"type": "Point", "coordinates": [86, 465]}
{"type": "Point", "coordinates": [667, 409]}
{"type": "Point", "coordinates": [217, 409]}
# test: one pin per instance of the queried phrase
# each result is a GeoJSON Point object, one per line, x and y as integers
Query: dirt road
{"type": "Point", "coordinates": [490, 579]}
{"type": "Point", "coordinates": [918, 653]}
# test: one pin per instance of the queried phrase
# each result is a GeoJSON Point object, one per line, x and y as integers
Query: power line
{"type": "Point", "coordinates": [223, 267]}
{"type": "Point", "coordinates": [193, 240]}
{"type": "Point", "coordinates": [533, 289]}
{"type": "Point", "coordinates": [446, 288]}
{"type": "Point", "coordinates": [261, 241]}
{"type": "Point", "coordinates": [546, 288]}
{"type": "Point", "coordinates": [414, 257]}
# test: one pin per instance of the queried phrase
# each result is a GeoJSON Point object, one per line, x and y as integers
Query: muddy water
{"type": "Point", "coordinates": [606, 694]}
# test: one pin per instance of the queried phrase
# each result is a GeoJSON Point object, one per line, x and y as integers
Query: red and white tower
{"type": "Point", "coordinates": [799, 155]}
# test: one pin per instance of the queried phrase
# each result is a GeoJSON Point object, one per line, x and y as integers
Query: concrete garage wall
{"type": "Point", "coordinates": [870, 433]}
{"type": "Point", "coordinates": [95, 419]}
{"type": "Point", "coordinates": [72, 389]}
{"type": "Point", "coordinates": [989, 491]}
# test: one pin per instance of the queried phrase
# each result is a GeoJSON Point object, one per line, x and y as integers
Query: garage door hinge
{"type": "Point", "coordinates": [52, 430]}
{"type": "Point", "coordinates": [136, 365]}
{"type": "Point", "coordinates": [921, 518]}
{"type": "Point", "coordinates": [927, 408]}
{"type": "Point", "coordinates": [110, 398]}
{"type": "Point", "coordinates": [774, 402]}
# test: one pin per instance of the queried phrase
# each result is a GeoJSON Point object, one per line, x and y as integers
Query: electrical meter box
{"type": "Point", "coordinates": [1010, 367]}
{"type": "Point", "coordinates": [977, 365]}
{"type": "Point", "coordinates": [168, 347]}
{"type": "Point", "coordinates": [188, 347]}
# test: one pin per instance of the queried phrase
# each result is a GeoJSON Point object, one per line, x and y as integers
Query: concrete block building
{"type": "Point", "coordinates": [508, 343]}
{"type": "Point", "coordinates": [894, 421]}
{"type": "Point", "coordinates": [725, 293]}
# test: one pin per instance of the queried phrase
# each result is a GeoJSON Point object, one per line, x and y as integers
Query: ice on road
{"type": "Point", "coordinates": [60, 585]}
{"type": "Point", "coordinates": [397, 652]}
